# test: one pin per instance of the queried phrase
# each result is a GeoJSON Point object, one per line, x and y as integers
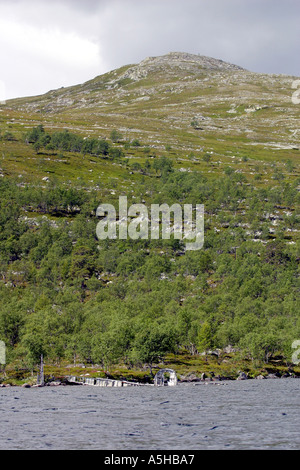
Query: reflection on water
{"type": "Point", "coordinates": [251, 414]}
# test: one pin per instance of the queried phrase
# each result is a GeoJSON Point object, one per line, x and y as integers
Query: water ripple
{"type": "Point", "coordinates": [249, 415]}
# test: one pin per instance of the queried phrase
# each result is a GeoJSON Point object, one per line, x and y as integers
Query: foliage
{"type": "Point", "coordinates": [66, 141]}
{"type": "Point", "coordinates": [67, 295]}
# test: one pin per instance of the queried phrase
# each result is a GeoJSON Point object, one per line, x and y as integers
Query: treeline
{"type": "Point", "coordinates": [66, 141]}
{"type": "Point", "coordinates": [67, 295]}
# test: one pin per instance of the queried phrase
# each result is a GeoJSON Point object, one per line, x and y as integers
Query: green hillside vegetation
{"type": "Point", "coordinates": [126, 305]}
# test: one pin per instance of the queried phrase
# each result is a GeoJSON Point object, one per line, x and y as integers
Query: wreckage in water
{"type": "Point", "coordinates": [159, 380]}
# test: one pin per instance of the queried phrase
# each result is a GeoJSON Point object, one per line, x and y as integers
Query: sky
{"type": "Point", "coordinates": [45, 45]}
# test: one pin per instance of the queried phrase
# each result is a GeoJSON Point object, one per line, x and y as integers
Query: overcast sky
{"type": "Point", "coordinates": [48, 44]}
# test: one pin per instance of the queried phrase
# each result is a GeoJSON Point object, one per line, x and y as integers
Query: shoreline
{"type": "Point", "coordinates": [188, 369]}
{"type": "Point", "coordinates": [181, 381]}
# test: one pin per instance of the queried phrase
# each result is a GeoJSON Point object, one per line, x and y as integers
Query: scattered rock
{"type": "Point", "coordinates": [229, 349]}
{"type": "Point", "coordinates": [189, 378]}
{"type": "Point", "coordinates": [215, 352]}
{"type": "Point", "coordinates": [242, 376]}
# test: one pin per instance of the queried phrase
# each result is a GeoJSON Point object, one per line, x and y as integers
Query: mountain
{"type": "Point", "coordinates": [158, 99]}
{"type": "Point", "coordinates": [179, 128]}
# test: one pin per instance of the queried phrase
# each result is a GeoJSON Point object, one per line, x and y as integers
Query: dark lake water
{"type": "Point", "coordinates": [250, 414]}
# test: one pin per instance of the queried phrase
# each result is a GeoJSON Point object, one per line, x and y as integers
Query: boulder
{"type": "Point", "coordinates": [230, 349]}
{"type": "Point", "coordinates": [242, 376]}
{"type": "Point", "coordinates": [54, 384]}
{"type": "Point", "coordinates": [273, 376]}
{"type": "Point", "coordinates": [190, 378]}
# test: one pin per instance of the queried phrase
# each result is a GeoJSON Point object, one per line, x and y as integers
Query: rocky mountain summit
{"type": "Point", "coordinates": [180, 61]}
{"type": "Point", "coordinates": [188, 101]}
{"type": "Point", "coordinates": [186, 60]}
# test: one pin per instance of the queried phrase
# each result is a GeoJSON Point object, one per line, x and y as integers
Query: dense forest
{"type": "Point", "coordinates": [69, 296]}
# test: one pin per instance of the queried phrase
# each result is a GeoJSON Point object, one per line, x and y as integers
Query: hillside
{"type": "Point", "coordinates": [179, 128]}
{"type": "Point", "coordinates": [235, 113]}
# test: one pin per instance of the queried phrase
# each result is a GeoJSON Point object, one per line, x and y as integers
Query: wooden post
{"type": "Point", "coordinates": [41, 374]}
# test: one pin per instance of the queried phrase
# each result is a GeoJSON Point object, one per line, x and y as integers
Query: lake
{"type": "Point", "coordinates": [237, 415]}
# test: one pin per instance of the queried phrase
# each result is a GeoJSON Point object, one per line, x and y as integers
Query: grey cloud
{"type": "Point", "coordinates": [260, 35]}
